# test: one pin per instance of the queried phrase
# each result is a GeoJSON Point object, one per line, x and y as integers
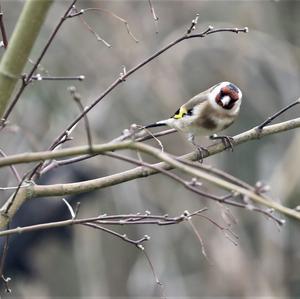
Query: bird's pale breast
{"type": "Point", "coordinates": [209, 120]}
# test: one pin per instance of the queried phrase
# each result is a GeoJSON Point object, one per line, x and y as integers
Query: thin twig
{"type": "Point", "coordinates": [157, 134]}
{"type": "Point", "coordinates": [199, 238]}
{"type": "Point", "coordinates": [58, 163]}
{"type": "Point", "coordinates": [154, 15]}
{"type": "Point", "coordinates": [77, 98]}
{"type": "Point", "coordinates": [223, 229]}
{"type": "Point", "coordinates": [38, 77]}
{"type": "Point", "coordinates": [90, 29]}
{"type": "Point", "coordinates": [173, 176]}
{"type": "Point", "coordinates": [193, 26]}
{"type": "Point", "coordinates": [40, 67]}
{"type": "Point", "coordinates": [117, 220]}
{"type": "Point", "coordinates": [217, 172]}
{"type": "Point", "coordinates": [192, 186]}
{"type": "Point", "coordinates": [121, 236]}
{"type": "Point", "coordinates": [271, 118]}
{"type": "Point", "coordinates": [110, 13]}
{"type": "Point", "coordinates": [13, 169]}
{"type": "Point", "coordinates": [157, 281]}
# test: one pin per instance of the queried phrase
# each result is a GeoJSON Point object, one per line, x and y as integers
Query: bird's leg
{"type": "Point", "coordinates": [226, 140]}
{"type": "Point", "coordinates": [200, 149]}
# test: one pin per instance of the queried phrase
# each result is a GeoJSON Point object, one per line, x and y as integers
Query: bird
{"type": "Point", "coordinates": [206, 114]}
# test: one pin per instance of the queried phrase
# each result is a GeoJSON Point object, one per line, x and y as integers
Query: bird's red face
{"type": "Point", "coordinates": [228, 96]}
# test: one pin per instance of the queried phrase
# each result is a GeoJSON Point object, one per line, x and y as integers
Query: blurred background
{"type": "Point", "coordinates": [82, 262]}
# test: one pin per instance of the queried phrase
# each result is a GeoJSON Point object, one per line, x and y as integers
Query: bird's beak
{"type": "Point", "coordinates": [225, 100]}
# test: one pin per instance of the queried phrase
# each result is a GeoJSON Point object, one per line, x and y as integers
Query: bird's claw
{"type": "Point", "coordinates": [199, 148]}
{"type": "Point", "coordinates": [201, 153]}
{"type": "Point", "coordinates": [227, 141]}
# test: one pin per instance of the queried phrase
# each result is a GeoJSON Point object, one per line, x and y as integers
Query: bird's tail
{"type": "Point", "coordinates": [157, 124]}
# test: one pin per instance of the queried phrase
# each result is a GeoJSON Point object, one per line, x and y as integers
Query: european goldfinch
{"type": "Point", "coordinates": [207, 113]}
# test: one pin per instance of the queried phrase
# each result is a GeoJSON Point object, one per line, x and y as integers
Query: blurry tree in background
{"type": "Point", "coordinates": [93, 73]}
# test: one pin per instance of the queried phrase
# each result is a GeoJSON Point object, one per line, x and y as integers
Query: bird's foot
{"type": "Point", "coordinates": [227, 141]}
{"type": "Point", "coordinates": [202, 153]}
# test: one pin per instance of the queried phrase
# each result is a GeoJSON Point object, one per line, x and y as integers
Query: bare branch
{"type": "Point", "coordinates": [251, 134]}
{"type": "Point", "coordinates": [90, 29]}
{"type": "Point", "coordinates": [188, 185]}
{"type": "Point", "coordinates": [38, 77]}
{"type": "Point", "coordinates": [199, 238]}
{"type": "Point", "coordinates": [64, 189]}
{"type": "Point", "coordinates": [129, 219]}
{"type": "Point", "coordinates": [157, 281]}
{"type": "Point", "coordinates": [224, 229]}
{"type": "Point", "coordinates": [54, 163]}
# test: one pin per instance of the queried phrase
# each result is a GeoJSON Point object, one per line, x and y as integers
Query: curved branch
{"type": "Point", "coordinates": [64, 189]}
{"type": "Point", "coordinates": [252, 134]}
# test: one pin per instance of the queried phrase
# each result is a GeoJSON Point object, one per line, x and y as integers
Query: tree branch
{"type": "Point", "coordinates": [252, 134]}
{"type": "Point", "coordinates": [66, 189]}
{"type": "Point", "coordinates": [119, 220]}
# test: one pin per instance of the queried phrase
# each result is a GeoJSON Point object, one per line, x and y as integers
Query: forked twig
{"type": "Point", "coordinates": [90, 29]}
{"type": "Point", "coordinates": [116, 220]}
{"type": "Point", "coordinates": [110, 13]}
{"type": "Point", "coordinates": [272, 117]}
